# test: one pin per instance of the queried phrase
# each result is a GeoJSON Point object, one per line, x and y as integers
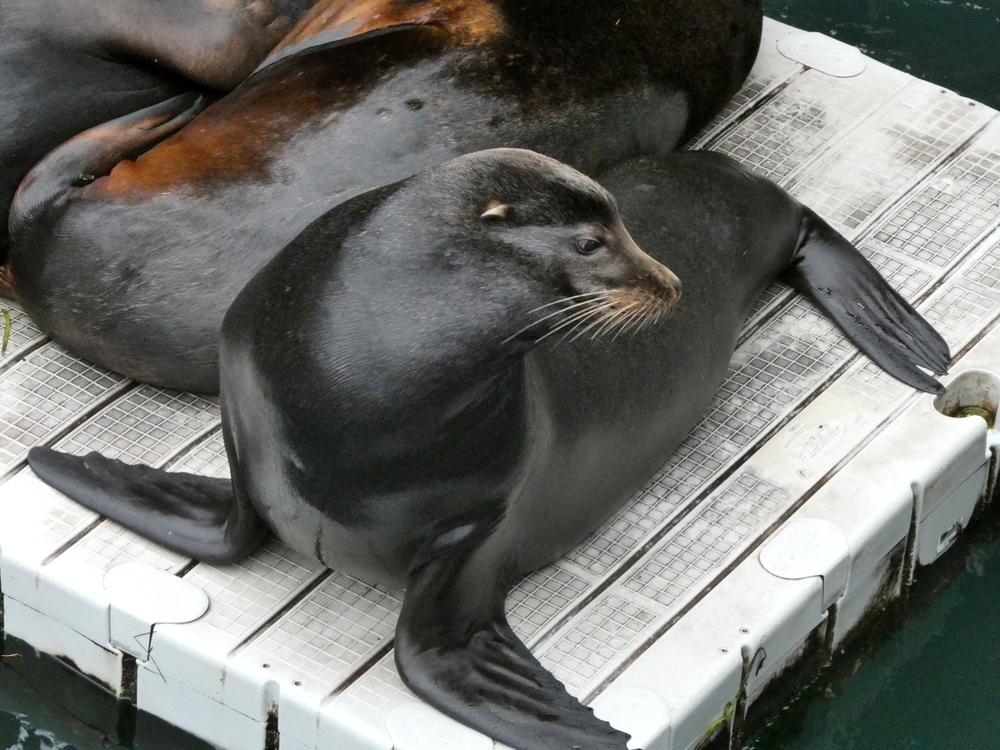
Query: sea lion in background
{"type": "Point", "coordinates": [453, 380]}
{"type": "Point", "coordinates": [135, 270]}
{"type": "Point", "coordinates": [68, 65]}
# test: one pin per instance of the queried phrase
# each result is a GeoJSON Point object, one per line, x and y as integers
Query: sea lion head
{"type": "Point", "coordinates": [577, 268]}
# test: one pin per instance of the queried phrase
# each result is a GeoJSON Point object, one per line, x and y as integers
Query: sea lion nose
{"type": "Point", "coordinates": [665, 282]}
{"type": "Point", "coordinates": [672, 284]}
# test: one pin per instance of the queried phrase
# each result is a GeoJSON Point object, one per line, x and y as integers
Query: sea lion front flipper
{"type": "Point", "coordinates": [339, 21]}
{"type": "Point", "coordinates": [455, 650]}
{"type": "Point", "coordinates": [197, 516]}
{"type": "Point", "coordinates": [829, 270]}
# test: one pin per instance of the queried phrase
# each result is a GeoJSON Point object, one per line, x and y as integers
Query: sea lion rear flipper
{"type": "Point", "coordinates": [195, 515]}
{"type": "Point", "coordinates": [829, 270]}
{"type": "Point", "coordinates": [455, 650]}
{"type": "Point", "coordinates": [92, 154]}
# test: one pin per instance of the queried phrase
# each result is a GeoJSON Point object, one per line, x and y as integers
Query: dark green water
{"type": "Point", "coordinates": [934, 684]}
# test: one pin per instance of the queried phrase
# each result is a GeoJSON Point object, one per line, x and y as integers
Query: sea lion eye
{"type": "Point", "coordinates": [588, 246]}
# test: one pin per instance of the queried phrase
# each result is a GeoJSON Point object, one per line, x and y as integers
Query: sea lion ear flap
{"type": "Point", "coordinates": [496, 210]}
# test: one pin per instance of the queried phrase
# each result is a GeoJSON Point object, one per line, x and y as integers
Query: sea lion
{"type": "Point", "coordinates": [453, 380]}
{"type": "Point", "coordinates": [135, 269]}
{"type": "Point", "coordinates": [68, 65]}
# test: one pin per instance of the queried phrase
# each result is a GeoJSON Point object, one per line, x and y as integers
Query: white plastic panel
{"type": "Point", "coordinates": [51, 637]}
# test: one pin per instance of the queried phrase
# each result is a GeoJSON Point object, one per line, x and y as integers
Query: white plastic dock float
{"type": "Point", "coordinates": [807, 495]}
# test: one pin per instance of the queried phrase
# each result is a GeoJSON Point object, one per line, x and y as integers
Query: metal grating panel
{"type": "Point", "coordinates": [23, 333]}
{"type": "Point", "coordinates": [961, 310]}
{"type": "Point", "coordinates": [332, 630]}
{"type": "Point", "coordinates": [208, 457]}
{"type": "Point", "coordinates": [884, 158]}
{"type": "Point", "coordinates": [380, 686]}
{"type": "Point", "coordinates": [804, 118]}
{"type": "Point", "coordinates": [604, 634]}
{"type": "Point", "coordinates": [871, 383]}
{"type": "Point", "coordinates": [110, 545]}
{"type": "Point", "coordinates": [541, 597]}
{"type": "Point", "coordinates": [673, 572]}
{"type": "Point", "coordinates": [909, 279]}
{"type": "Point", "coordinates": [951, 213]}
{"type": "Point", "coordinates": [44, 392]}
{"type": "Point", "coordinates": [144, 426]}
{"type": "Point", "coordinates": [244, 594]}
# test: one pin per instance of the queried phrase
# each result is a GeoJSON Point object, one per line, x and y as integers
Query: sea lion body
{"type": "Point", "coordinates": [69, 65]}
{"type": "Point", "coordinates": [452, 380]}
{"type": "Point", "coordinates": [156, 250]}
{"type": "Point", "coordinates": [568, 432]}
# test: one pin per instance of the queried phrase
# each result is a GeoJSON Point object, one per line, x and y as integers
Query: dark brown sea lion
{"type": "Point", "coordinates": [136, 269]}
{"type": "Point", "coordinates": [450, 381]}
{"type": "Point", "coordinates": [68, 65]}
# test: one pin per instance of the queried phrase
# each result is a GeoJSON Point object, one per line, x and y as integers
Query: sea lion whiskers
{"type": "Point", "coordinates": [623, 310]}
{"type": "Point", "coordinates": [610, 309]}
{"type": "Point", "coordinates": [634, 320]}
{"type": "Point", "coordinates": [603, 317]}
{"type": "Point", "coordinates": [592, 308]}
{"type": "Point", "coordinates": [576, 301]}
{"type": "Point", "coordinates": [631, 316]}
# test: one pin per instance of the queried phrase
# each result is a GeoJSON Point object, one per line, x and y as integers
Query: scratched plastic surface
{"type": "Point", "coordinates": [908, 171]}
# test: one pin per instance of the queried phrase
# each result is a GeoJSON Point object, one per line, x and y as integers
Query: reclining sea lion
{"type": "Point", "coordinates": [132, 265]}
{"type": "Point", "coordinates": [450, 381]}
{"type": "Point", "coordinates": [68, 65]}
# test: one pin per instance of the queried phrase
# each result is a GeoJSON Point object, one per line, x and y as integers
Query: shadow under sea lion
{"type": "Point", "coordinates": [68, 65]}
{"type": "Point", "coordinates": [132, 265]}
{"type": "Point", "coordinates": [448, 382]}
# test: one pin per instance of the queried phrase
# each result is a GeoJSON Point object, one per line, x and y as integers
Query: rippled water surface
{"type": "Point", "coordinates": [954, 43]}
{"type": "Point", "coordinates": [935, 683]}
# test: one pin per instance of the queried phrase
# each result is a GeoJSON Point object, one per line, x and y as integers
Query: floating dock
{"type": "Point", "coordinates": [805, 499]}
